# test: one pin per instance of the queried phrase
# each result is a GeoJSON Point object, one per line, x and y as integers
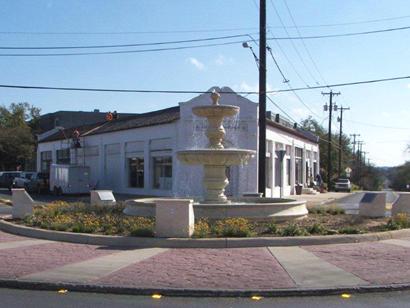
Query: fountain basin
{"type": "Point", "coordinates": [215, 157]}
{"type": "Point", "coordinates": [215, 111]}
{"type": "Point", "coordinates": [251, 208]}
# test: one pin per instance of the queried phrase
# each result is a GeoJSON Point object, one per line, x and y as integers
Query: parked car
{"type": "Point", "coordinates": [38, 182]}
{"type": "Point", "coordinates": [343, 185]}
{"type": "Point", "coordinates": [22, 179]}
{"type": "Point", "coordinates": [7, 178]}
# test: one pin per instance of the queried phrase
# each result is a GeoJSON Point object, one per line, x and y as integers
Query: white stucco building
{"type": "Point", "coordinates": [137, 154]}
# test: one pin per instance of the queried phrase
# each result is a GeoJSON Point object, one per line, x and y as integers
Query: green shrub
{"type": "Point", "coordinates": [233, 227]}
{"type": "Point", "coordinates": [317, 210]}
{"type": "Point", "coordinates": [402, 219]}
{"type": "Point", "coordinates": [349, 230]}
{"type": "Point", "coordinates": [271, 228]}
{"type": "Point", "coordinates": [317, 228]}
{"type": "Point", "coordinates": [391, 225]}
{"type": "Point", "coordinates": [335, 210]}
{"type": "Point", "coordinates": [293, 230]}
{"type": "Point", "coordinates": [143, 232]}
{"type": "Point", "coordinates": [202, 229]}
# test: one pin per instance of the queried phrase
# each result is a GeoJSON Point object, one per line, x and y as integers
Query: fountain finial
{"type": "Point", "coordinates": [215, 97]}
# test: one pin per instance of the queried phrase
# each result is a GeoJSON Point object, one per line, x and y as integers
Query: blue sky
{"type": "Point", "coordinates": [338, 59]}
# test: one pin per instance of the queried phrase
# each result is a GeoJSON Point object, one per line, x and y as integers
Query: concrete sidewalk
{"type": "Point", "coordinates": [32, 263]}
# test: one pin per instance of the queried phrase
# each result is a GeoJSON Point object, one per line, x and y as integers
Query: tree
{"type": "Point", "coordinates": [316, 128]}
{"type": "Point", "coordinates": [18, 124]}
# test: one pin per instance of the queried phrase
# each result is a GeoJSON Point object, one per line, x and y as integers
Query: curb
{"type": "Point", "coordinates": [147, 242]}
{"type": "Point", "coordinates": [47, 286]}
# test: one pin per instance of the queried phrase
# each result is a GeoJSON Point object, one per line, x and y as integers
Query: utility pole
{"type": "Point", "coordinates": [340, 119]}
{"type": "Point", "coordinates": [359, 161]}
{"type": "Point", "coordinates": [262, 98]}
{"type": "Point", "coordinates": [354, 142]}
{"type": "Point", "coordinates": [329, 137]}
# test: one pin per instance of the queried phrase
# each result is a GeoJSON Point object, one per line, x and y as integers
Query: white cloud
{"type": "Point", "coordinates": [198, 64]}
{"type": "Point", "coordinates": [222, 60]}
{"type": "Point", "coordinates": [408, 85]}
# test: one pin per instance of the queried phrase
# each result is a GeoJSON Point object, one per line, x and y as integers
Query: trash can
{"type": "Point", "coordinates": [298, 189]}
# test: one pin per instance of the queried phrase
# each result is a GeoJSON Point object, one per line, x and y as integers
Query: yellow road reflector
{"type": "Point", "coordinates": [256, 298]}
{"type": "Point", "coordinates": [156, 296]}
{"type": "Point", "coordinates": [345, 295]}
{"type": "Point", "coordinates": [62, 291]}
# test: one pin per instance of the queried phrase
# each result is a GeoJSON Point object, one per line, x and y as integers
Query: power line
{"type": "Point", "coordinates": [197, 92]}
{"type": "Point", "coordinates": [201, 30]}
{"type": "Point", "coordinates": [340, 34]}
{"type": "Point", "coordinates": [303, 43]}
{"type": "Point", "coordinates": [375, 125]}
{"type": "Point", "coordinates": [126, 45]}
{"type": "Point", "coordinates": [187, 47]}
{"type": "Point", "coordinates": [293, 43]}
{"type": "Point", "coordinates": [117, 52]}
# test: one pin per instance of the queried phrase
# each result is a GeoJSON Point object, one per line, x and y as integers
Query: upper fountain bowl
{"type": "Point", "coordinates": [215, 111]}
{"type": "Point", "coordinates": [221, 157]}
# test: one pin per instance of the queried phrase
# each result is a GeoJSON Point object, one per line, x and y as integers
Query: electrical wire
{"type": "Point", "coordinates": [198, 92]}
{"type": "Point", "coordinates": [303, 43]}
{"type": "Point", "coordinates": [127, 45]}
{"type": "Point", "coordinates": [202, 30]}
{"type": "Point", "coordinates": [375, 125]}
{"type": "Point", "coordinates": [293, 43]}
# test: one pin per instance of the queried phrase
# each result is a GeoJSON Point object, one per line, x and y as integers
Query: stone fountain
{"type": "Point", "coordinates": [215, 158]}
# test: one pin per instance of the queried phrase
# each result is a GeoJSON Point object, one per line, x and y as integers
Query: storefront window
{"type": "Point", "coordinates": [162, 167]}
{"type": "Point", "coordinates": [136, 172]}
{"type": "Point", "coordinates": [46, 160]}
{"type": "Point", "coordinates": [63, 156]}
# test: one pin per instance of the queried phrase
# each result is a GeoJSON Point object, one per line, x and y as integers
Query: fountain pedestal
{"type": "Point", "coordinates": [215, 181]}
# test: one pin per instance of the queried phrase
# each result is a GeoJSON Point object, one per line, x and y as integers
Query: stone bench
{"type": "Point", "coordinates": [401, 205]}
{"type": "Point", "coordinates": [22, 203]}
{"type": "Point", "coordinates": [373, 204]}
{"type": "Point", "coordinates": [102, 198]}
{"type": "Point", "coordinates": [174, 218]}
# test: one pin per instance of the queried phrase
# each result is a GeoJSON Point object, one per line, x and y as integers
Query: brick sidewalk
{"type": "Point", "coordinates": [275, 268]}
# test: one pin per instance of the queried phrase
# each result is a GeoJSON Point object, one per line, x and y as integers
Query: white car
{"type": "Point", "coordinates": [343, 185]}
{"type": "Point", "coordinates": [22, 179]}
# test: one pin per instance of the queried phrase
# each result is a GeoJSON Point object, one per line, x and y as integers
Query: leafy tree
{"type": "Point", "coordinates": [315, 127]}
{"type": "Point", "coordinates": [18, 123]}
{"type": "Point", "coordinates": [400, 177]}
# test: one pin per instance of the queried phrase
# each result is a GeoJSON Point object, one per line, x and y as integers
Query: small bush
{"type": "Point", "coordinates": [391, 225]}
{"type": "Point", "coordinates": [271, 228]}
{"type": "Point", "coordinates": [335, 210]}
{"type": "Point", "coordinates": [233, 227]}
{"type": "Point", "coordinates": [402, 219]}
{"type": "Point", "coordinates": [317, 210]}
{"type": "Point", "coordinates": [317, 228]}
{"type": "Point", "coordinates": [293, 230]}
{"type": "Point", "coordinates": [322, 210]}
{"type": "Point", "coordinates": [202, 229]}
{"type": "Point", "coordinates": [349, 230]}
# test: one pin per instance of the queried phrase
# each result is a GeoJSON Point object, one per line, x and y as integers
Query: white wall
{"type": "Point", "coordinates": [107, 154]}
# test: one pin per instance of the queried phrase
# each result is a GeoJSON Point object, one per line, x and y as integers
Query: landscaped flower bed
{"type": "Point", "coordinates": [82, 218]}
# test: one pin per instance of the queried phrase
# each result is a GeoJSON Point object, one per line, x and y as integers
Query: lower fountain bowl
{"type": "Point", "coordinates": [252, 208]}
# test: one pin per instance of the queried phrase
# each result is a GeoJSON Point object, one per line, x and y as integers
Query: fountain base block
{"type": "Point", "coordinates": [252, 208]}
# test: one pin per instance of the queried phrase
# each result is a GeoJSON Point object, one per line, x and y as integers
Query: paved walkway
{"type": "Point", "coordinates": [268, 268]}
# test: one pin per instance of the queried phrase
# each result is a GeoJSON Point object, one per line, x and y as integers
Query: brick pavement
{"type": "Point", "coordinates": [218, 269]}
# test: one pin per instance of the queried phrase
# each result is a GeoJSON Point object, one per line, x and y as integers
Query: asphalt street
{"type": "Point", "coordinates": [45, 299]}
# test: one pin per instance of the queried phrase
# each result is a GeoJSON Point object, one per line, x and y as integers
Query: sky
{"type": "Point", "coordinates": [380, 112]}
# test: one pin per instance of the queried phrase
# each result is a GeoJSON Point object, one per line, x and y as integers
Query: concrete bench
{"type": "Point", "coordinates": [373, 204]}
{"type": "Point", "coordinates": [174, 217]}
{"type": "Point", "coordinates": [401, 205]}
{"type": "Point", "coordinates": [22, 203]}
{"type": "Point", "coordinates": [102, 198]}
